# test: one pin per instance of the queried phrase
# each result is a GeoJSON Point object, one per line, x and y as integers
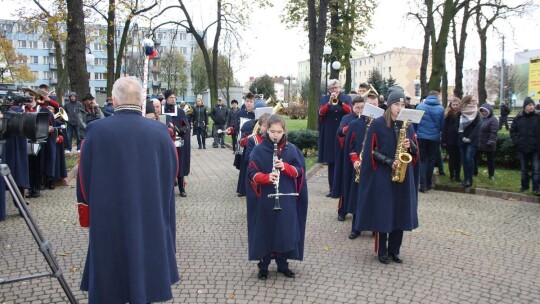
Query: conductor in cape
{"type": "Point", "coordinates": [276, 234]}
{"type": "Point", "coordinates": [388, 205]}
{"type": "Point", "coordinates": [126, 179]}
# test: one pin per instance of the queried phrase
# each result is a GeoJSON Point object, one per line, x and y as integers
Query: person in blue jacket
{"type": "Point", "coordinates": [428, 132]}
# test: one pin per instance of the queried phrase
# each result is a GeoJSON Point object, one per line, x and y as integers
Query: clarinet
{"type": "Point", "coordinates": [369, 121]}
{"type": "Point", "coordinates": [277, 206]}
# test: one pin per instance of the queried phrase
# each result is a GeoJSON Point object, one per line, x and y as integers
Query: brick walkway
{"type": "Point", "coordinates": [468, 249]}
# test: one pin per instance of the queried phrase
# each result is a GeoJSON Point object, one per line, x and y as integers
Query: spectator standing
{"type": "Point", "coordinates": [450, 139]}
{"type": "Point", "coordinates": [200, 121]}
{"type": "Point", "coordinates": [525, 134]}
{"type": "Point", "coordinates": [74, 124]}
{"type": "Point", "coordinates": [469, 136]}
{"type": "Point", "coordinates": [429, 137]}
{"type": "Point", "coordinates": [108, 108]}
{"type": "Point", "coordinates": [488, 139]}
{"type": "Point", "coordinates": [219, 115]}
{"type": "Point", "coordinates": [505, 111]}
{"type": "Point", "coordinates": [126, 181]}
{"type": "Point", "coordinates": [231, 119]}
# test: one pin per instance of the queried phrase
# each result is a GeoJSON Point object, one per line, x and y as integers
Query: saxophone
{"type": "Point", "coordinates": [403, 158]}
{"type": "Point", "coordinates": [357, 176]}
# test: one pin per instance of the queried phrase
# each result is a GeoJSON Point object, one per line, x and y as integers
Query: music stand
{"type": "Point", "coordinates": [43, 244]}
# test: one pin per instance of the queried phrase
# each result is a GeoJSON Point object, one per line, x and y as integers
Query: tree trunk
{"type": "Point", "coordinates": [76, 48]}
{"type": "Point", "coordinates": [459, 51]}
{"type": "Point", "coordinates": [482, 93]}
{"type": "Point", "coordinates": [429, 31]}
{"type": "Point", "coordinates": [348, 76]}
{"type": "Point", "coordinates": [111, 16]}
{"type": "Point", "coordinates": [61, 73]}
{"type": "Point", "coordinates": [121, 50]}
{"type": "Point", "coordinates": [444, 91]}
{"type": "Point", "coordinates": [438, 51]}
{"type": "Point", "coordinates": [316, 34]}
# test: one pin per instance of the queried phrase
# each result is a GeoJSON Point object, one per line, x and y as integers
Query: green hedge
{"type": "Point", "coordinates": [506, 154]}
{"type": "Point", "coordinates": [305, 140]}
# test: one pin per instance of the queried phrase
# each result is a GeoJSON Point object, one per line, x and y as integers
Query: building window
{"type": "Point", "coordinates": [98, 46]}
{"type": "Point", "coordinates": [48, 45]}
{"type": "Point", "coordinates": [32, 44]}
{"type": "Point", "coordinates": [22, 43]}
{"type": "Point", "coordinates": [100, 76]}
{"type": "Point", "coordinates": [183, 50]}
{"type": "Point", "coordinates": [48, 60]}
{"type": "Point", "coordinates": [50, 75]}
{"type": "Point", "coordinates": [33, 59]}
{"type": "Point", "coordinates": [389, 69]}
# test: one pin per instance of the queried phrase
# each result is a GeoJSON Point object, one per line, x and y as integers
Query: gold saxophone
{"type": "Point", "coordinates": [357, 176]}
{"type": "Point", "coordinates": [403, 158]}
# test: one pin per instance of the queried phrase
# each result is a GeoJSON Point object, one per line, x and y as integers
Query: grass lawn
{"type": "Point", "coordinates": [72, 160]}
{"type": "Point", "coordinates": [505, 179]}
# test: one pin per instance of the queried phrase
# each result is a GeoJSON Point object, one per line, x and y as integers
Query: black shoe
{"type": "Point", "coordinates": [341, 217]}
{"type": "Point", "coordinates": [50, 185]}
{"type": "Point", "coordinates": [466, 183]}
{"type": "Point", "coordinates": [384, 259]}
{"type": "Point", "coordinates": [35, 193]}
{"type": "Point", "coordinates": [204, 147]}
{"type": "Point", "coordinates": [287, 272]}
{"type": "Point", "coordinates": [329, 194]}
{"type": "Point", "coordinates": [395, 258]}
{"type": "Point", "coordinates": [442, 174]}
{"type": "Point", "coordinates": [240, 195]}
{"type": "Point", "coordinates": [354, 234]}
{"type": "Point", "coordinates": [200, 147]}
{"type": "Point", "coordinates": [263, 274]}
{"type": "Point", "coordinates": [422, 189]}
{"type": "Point", "coordinates": [214, 146]}
{"type": "Point", "coordinates": [183, 193]}
{"type": "Point", "coordinates": [223, 147]}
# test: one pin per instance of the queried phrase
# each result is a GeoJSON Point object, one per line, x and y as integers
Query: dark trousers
{"type": "Point", "coordinates": [503, 121]}
{"type": "Point", "coordinates": [352, 224]}
{"type": "Point", "coordinates": [201, 136]}
{"type": "Point", "coordinates": [331, 167]}
{"type": "Point", "coordinates": [524, 160]}
{"type": "Point", "coordinates": [281, 262]}
{"type": "Point", "coordinates": [394, 238]}
{"type": "Point", "coordinates": [439, 160]}
{"type": "Point", "coordinates": [181, 184]}
{"type": "Point", "coordinates": [428, 150]}
{"type": "Point", "coordinates": [234, 139]}
{"type": "Point", "coordinates": [467, 157]}
{"type": "Point", "coordinates": [454, 162]}
{"type": "Point", "coordinates": [34, 171]}
{"type": "Point", "coordinates": [72, 131]}
{"type": "Point", "coordinates": [490, 160]}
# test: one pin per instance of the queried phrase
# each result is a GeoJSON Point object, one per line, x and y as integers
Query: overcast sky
{"type": "Point", "coordinates": [274, 50]}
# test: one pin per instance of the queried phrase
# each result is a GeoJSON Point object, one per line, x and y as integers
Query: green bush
{"type": "Point", "coordinates": [305, 140]}
{"type": "Point", "coordinates": [297, 110]}
{"type": "Point", "coordinates": [506, 154]}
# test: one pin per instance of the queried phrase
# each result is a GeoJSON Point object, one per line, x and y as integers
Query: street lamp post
{"type": "Point", "coordinates": [2, 71]}
{"type": "Point", "coordinates": [288, 81]}
{"type": "Point", "coordinates": [326, 54]}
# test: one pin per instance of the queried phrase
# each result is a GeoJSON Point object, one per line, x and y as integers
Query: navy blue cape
{"type": "Point", "coordinates": [246, 130]}
{"type": "Point", "coordinates": [353, 144]}
{"type": "Point", "coordinates": [338, 186]}
{"type": "Point", "coordinates": [270, 231]}
{"type": "Point", "coordinates": [328, 125]}
{"type": "Point", "coordinates": [127, 179]}
{"type": "Point", "coordinates": [383, 205]}
{"type": "Point", "coordinates": [184, 152]}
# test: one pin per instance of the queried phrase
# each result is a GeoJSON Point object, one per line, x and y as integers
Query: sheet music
{"type": "Point", "coordinates": [372, 111]}
{"type": "Point", "coordinates": [409, 114]}
{"type": "Point", "coordinates": [260, 111]}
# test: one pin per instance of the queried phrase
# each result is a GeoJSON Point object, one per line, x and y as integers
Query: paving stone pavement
{"type": "Point", "coordinates": [468, 249]}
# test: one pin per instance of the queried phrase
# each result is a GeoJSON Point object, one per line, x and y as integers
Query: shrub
{"type": "Point", "coordinates": [297, 110]}
{"type": "Point", "coordinates": [506, 154]}
{"type": "Point", "coordinates": [305, 140]}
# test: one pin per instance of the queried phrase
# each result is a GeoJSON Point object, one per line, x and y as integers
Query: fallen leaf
{"type": "Point", "coordinates": [64, 221]}
{"type": "Point", "coordinates": [231, 296]}
{"type": "Point", "coordinates": [465, 233]}
{"type": "Point", "coordinates": [8, 246]}
{"type": "Point", "coordinates": [64, 254]}
{"type": "Point", "coordinates": [326, 247]}
{"type": "Point", "coordinates": [74, 269]}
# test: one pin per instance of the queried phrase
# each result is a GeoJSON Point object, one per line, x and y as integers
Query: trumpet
{"type": "Point", "coordinates": [61, 115]}
{"type": "Point", "coordinates": [334, 100]}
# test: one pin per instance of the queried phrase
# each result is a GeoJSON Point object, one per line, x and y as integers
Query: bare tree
{"type": "Point", "coordinates": [487, 13]}
{"type": "Point", "coordinates": [130, 9]}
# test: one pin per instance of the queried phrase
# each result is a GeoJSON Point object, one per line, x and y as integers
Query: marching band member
{"type": "Point", "coordinates": [276, 235]}
{"type": "Point", "coordinates": [342, 172]}
{"type": "Point", "coordinates": [332, 107]}
{"type": "Point", "coordinates": [384, 206]}
{"type": "Point", "coordinates": [180, 125]}
{"type": "Point", "coordinates": [241, 161]}
{"type": "Point", "coordinates": [354, 143]}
